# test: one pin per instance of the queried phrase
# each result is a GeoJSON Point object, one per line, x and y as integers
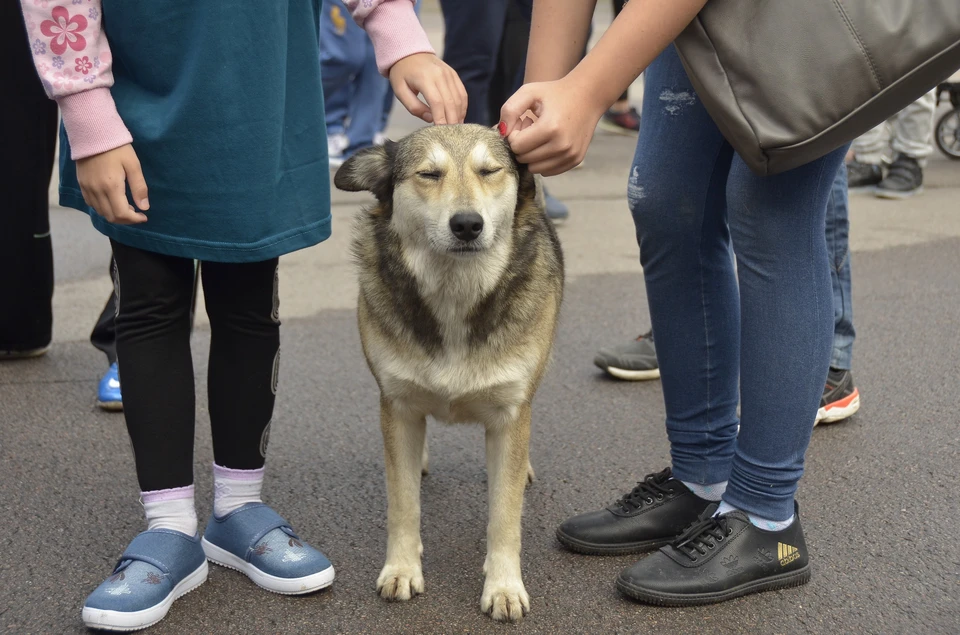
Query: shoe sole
{"type": "Point", "coordinates": [896, 196]}
{"type": "Point", "coordinates": [30, 354]}
{"type": "Point", "coordinates": [771, 583]}
{"type": "Point", "coordinates": [839, 410]}
{"type": "Point", "coordinates": [631, 375]}
{"type": "Point", "coordinates": [594, 549]}
{"type": "Point", "coordinates": [283, 586]}
{"type": "Point", "coordinates": [107, 620]}
{"type": "Point", "coordinates": [615, 129]}
{"type": "Point", "coordinates": [110, 406]}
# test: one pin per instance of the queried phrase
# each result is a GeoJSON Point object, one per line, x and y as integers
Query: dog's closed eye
{"type": "Point", "coordinates": [430, 175]}
{"type": "Point", "coordinates": [489, 171]}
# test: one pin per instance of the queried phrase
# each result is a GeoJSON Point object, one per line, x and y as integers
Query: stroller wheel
{"type": "Point", "coordinates": [947, 134]}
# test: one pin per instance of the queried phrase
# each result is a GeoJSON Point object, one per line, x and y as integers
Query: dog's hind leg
{"type": "Point", "coordinates": [403, 438]}
{"type": "Point", "coordinates": [508, 440]}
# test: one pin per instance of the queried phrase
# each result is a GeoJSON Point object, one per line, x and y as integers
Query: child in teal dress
{"type": "Point", "coordinates": [198, 134]}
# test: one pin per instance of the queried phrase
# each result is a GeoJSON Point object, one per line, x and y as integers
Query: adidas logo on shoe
{"type": "Point", "coordinates": [786, 554]}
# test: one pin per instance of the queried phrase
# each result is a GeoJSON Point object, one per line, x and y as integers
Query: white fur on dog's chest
{"type": "Point", "coordinates": [453, 386]}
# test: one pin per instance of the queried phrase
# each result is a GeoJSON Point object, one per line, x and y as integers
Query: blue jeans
{"type": "Point", "coordinates": [838, 237]}
{"type": "Point", "coordinates": [764, 342]}
{"type": "Point", "coordinates": [355, 93]}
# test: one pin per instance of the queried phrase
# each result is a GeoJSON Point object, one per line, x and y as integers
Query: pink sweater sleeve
{"type": "Point", "coordinates": [73, 60]}
{"type": "Point", "coordinates": [393, 27]}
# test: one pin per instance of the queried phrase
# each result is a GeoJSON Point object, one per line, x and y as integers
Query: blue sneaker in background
{"type": "Point", "coordinates": [108, 392]}
{"type": "Point", "coordinates": [258, 542]}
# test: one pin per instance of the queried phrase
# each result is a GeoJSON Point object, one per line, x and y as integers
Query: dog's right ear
{"type": "Point", "coordinates": [369, 170]}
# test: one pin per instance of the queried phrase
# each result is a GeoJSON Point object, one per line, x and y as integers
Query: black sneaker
{"type": "Point", "coordinates": [863, 176]}
{"type": "Point", "coordinates": [718, 559]}
{"type": "Point", "coordinates": [840, 399]}
{"type": "Point", "coordinates": [635, 361]}
{"type": "Point", "coordinates": [650, 516]}
{"type": "Point", "coordinates": [904, 179]}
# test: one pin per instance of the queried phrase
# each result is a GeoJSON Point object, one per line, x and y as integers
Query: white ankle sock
{"type": "Point", "coordinates": [756, 521]}
{"type": "Point", "coordinates": [711, 492]}
{"type": "Point", "coordinates": [170, 509]}
{"type": "Point", "coordinates": [232, 489]}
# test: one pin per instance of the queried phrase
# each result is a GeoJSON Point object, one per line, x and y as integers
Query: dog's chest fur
{"type": "Point", "coordinates": [460, 339]}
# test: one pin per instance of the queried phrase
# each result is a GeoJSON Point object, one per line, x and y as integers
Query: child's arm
{"type": "Point", "coordinates": [405, 56]}
{"type": "Point", "coordinates": [568, 105]}
{"type": "Point", "coordinates": [73, 60]}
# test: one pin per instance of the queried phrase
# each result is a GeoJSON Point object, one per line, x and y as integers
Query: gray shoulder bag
{"type": "Point", "coordinates": [788, 81]}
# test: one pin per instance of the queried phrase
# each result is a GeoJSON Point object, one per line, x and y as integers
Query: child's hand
{"type": "Point", "coordinates": [557, 140]}
{"type": "Point", "coordinates": [102, 179]}
{"type": "Point", "coordinates": [426, 74]}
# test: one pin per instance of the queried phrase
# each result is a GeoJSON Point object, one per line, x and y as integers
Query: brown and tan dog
{"type": "Point", "coordinates": [461, 279]}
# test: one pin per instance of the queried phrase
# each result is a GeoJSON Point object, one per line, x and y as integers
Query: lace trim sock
{"type": "Point", "coordinates": [232, 489]}
{"type": "Point", "coordinates": [170, 509]}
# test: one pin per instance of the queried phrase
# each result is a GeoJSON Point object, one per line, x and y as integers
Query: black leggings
{"type": "Point", "coordinates": [156, 369]}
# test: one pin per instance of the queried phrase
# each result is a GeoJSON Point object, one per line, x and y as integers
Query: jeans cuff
{"type": "Point", "coordinates": [765, 500]}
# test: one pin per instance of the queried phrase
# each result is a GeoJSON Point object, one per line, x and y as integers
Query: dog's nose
{"type": "Point", "coordinates": [466, 225]}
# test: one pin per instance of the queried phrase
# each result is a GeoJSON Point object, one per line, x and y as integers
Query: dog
{"type": "Point", "coordinates": [461, 280]}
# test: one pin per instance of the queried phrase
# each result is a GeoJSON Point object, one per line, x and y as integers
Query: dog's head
{"type": "Point", "coordinates": [451, 189]}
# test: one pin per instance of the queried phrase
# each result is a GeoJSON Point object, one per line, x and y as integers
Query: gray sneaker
{"type": "Point", "coordinates": [636, 361]}
{"type": "Point", "coordinates": [903, 180]}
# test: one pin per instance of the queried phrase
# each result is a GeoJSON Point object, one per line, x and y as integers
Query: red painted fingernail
{"type": "Point", "coordinates": [502, 127]}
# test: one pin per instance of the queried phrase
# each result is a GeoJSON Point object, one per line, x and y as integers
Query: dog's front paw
{"type": "Point", "coordinates": [507, 602]}
{"type": "Point", "coordinates": [400, 582]}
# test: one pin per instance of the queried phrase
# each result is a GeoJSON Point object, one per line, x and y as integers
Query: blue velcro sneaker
{"type": "Point", "coordinates": [159, 566]}
{"type": "Point", "coordinates": [258, 542]}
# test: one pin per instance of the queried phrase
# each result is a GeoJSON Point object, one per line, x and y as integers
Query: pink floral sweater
{"type": "Point", "coordinates": [72, 57]}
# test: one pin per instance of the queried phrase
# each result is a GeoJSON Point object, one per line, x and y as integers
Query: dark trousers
{"type": "Point", "coordinates": [471, 42]}
{"type": "Point", "coordinates": [28, 128]}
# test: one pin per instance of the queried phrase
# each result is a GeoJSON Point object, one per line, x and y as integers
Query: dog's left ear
{"type": "Point", "coordinates": [528, 188]}
{"type": "Point", "coordinates": [369, 170]}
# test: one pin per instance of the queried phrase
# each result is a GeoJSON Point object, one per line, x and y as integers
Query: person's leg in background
{"type": "Point", "coordinates": [389, 98]}
{"type": "Point", "coordinates": [366, 105]}
{"type": "Point", "coordinates": [621, 118]}
{"type": "Point", "coordinates": [904, 141]}
{"type": "Point", "coordinates": [104, 339]}
{"type": "Point", "coordinates": [511, 62]}
{"type": "Point", "coordinates": [28, 127]}
{"type": "Point", "coordinates": [342, 57]}
{"type": "Point", "coordinates": [840, 399]}
{"type": "Point", "coordinates": [912, 142]}
{"type": "Point", "coordinates": [471, 40]}
{"type": "Point", "coordinates": [870, 150]}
